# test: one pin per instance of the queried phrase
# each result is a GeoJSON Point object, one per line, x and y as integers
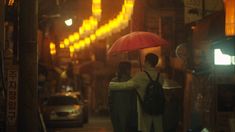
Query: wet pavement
{"type": "Point", "coordinates": [96, 124]}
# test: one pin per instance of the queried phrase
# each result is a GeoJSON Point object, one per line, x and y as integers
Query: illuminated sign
{"type": "Point", "coordinates": [230, 17]}
{"type": "Point", "coordinates": [223, 59]}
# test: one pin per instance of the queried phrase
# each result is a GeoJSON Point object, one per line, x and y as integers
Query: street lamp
{"type": "Point", "coordinates": [69, 22]}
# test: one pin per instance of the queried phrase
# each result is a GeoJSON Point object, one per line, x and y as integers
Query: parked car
{"type": "Point", "coordinates": [63, 109]}
{"type": "Point", "coordinates": [85, 104]}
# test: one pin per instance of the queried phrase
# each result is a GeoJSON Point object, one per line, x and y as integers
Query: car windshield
{"type": "Point", "coordinates": [62, 100]}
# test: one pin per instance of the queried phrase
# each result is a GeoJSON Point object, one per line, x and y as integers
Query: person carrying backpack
{"type": "Point", "coordinates": [142, 81]}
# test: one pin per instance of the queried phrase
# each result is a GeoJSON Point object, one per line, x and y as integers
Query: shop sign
{"type": "Point", "coordinates": [223, 59]}
{"type": "Point", "coordinates": [12, 95]}
{"type": "Point", "coordinates": [229, 17]}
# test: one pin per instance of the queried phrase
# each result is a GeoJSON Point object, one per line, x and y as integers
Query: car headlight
{"type": "Point", "coordinates": [76, 111]}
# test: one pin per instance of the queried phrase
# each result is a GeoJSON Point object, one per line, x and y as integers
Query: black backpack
{"type": "Point", "coordinates": [153, 102]}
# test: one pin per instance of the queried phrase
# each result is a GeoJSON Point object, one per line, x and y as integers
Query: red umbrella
{"type": "Point", "coordinates": [137, 40]}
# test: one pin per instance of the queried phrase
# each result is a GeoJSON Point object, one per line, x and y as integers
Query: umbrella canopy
{"type": "Point", "coordinates": [135, 41]}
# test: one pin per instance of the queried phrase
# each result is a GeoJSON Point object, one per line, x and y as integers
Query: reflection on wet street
{"type": "Point", "coordinates": [96, 124]}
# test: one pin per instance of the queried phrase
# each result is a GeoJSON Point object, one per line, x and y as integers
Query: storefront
{"type": "Point", "coordinates": [210, 82]}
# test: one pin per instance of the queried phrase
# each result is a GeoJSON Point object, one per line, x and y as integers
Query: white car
{"type": "Point", "coordinates": [63, 109]}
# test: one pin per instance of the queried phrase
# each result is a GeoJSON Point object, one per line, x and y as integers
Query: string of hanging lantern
{"type": "Point", "coordinates": [87, 26]}
{"type": "Point", "coordinates": [52, 48]}
{"type": "Point", "coordinates": [120, 22]}
{"type": "Point", "coordinates": [89, 31]}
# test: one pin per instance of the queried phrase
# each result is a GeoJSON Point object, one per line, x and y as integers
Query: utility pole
{"type": "Point", "coordinates": [2, 43]}
{"type": "Point", "coordinates": [28, 117]}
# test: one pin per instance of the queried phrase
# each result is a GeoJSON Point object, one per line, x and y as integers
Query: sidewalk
{"type": "Point", "coordinates": [95, 124]}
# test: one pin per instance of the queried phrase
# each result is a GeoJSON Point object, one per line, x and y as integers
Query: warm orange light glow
{"type": "Point", "coordinates": [87, 41]}
{"type": "Point", "coordinates": [88, 27]}
{"type": "Point", "coordinates": [71, 38]}
{"type": "Point", "coordinates": [76, 46]}
{"type": "Point", "coordinates": [98, 33]}
{"type": "Point", "coordinates": [230, 17]}
{"type": "Point", "coordinates": [92, 37]}
{"type": "Point", "coordinates": [62, 45]}
{"type": "Point", "coordinates": [76, 36]}
{"type": "Point", "coordinates": [52, 45]}
{"type": "Point", "coordinates": [11, 2]}
{"type": "Point", "coordinates": [52, 52]}
{"type": "Point", "coordinates": [94, 22]}
{"type": "Point", "coordinates": [82, 43]}
{"type": "Point", "coordinates": [96, 1]}
{"type": "Point", "coordinates": [52, 48]}
{"type": "Point", "coordinates": [71, 49]}
{"type": "Point", "coordinates": [89, 31]}
{"type": "Point", "coordinates": [96, 8]}
{"type": "Point", "coordinates": [81, 30]}
{"type": "Point", "coordinates": [66, 42]}
{"type": "Point", "coordinates": [88, 24]}
{"type": "Point", "coordinates": [193, 27]}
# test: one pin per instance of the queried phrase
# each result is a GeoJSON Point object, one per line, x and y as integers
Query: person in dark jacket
{"type": "Point", "coordinates": [139, 82]}
{"type": "Point", "coordinates": [123, 102]}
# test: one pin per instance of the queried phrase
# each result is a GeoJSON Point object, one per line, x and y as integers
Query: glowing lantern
{"type": "Point", "coordinates": [94, 22]}
{"type": "Point", "coordinates": [52, 52]}
{"type": "Point", "coordinates": [52, 48]}
{"type": "Point", "coordinates": [66, 42]}
{"type": "Point", "coordinates": [71, 38]}
{"type": "Point", "coordinates": [230, 17]}
{"type": "Point", "coordinates": [52, 45]}
{"type": "Point", "coordinates": [87, 41]}
{"type": "Point", "coordinates": [62, 45]}
{"type": "Point", "coordinates": [97, 1]}
{"type": "Point", "coordinates": [81, 30]}
{"type": "Point", "coordinates": [98, 32]}
{"type": "Point", "coordinates": [96, 8]}
{"type": "Point", "coordinates": [76, 36]}
{"type": "Point", "coordinates": [76, 46]}
{"type": "Point", "coordinates": [88, 32]}
{"type": "Point", "coordinates": [71, 49]}
{"type": "Point", "coordinates": [81, 43]}
{"type": "Point", "coordinates": [88, 27]}
{"type": "Point", "coordinates": [92, 37]}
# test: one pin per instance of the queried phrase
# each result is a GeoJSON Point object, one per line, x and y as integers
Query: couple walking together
{"type": "Point", "coordinates": [123, 116]}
